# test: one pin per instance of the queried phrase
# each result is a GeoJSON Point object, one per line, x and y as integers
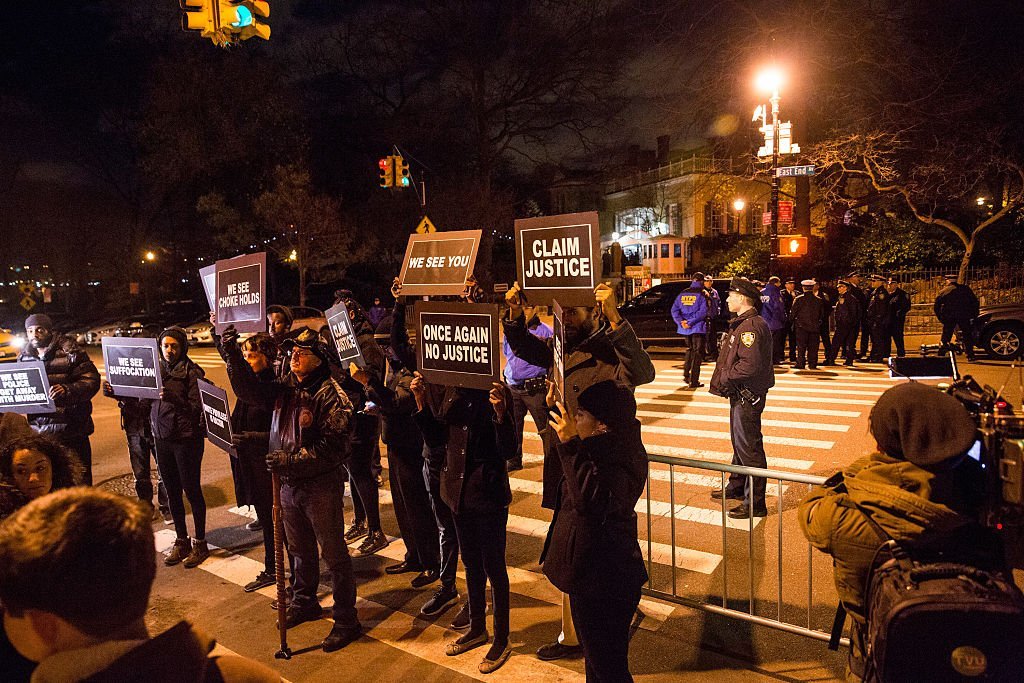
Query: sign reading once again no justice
{"type": "Point", "coordinates": [559, 256]}
{"type": "Point", "coordinates": [439, 262]}
{"type": "Point", "coordinates": [458, 343]}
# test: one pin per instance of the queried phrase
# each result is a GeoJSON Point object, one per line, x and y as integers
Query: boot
{"type": "Point", "coordinates": [198, 555]}
{"type": "Point", "coordinates": [182, 549]}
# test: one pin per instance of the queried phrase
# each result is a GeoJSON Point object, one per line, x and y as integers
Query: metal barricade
{"type": "Point", "coordinates": [723, 609]}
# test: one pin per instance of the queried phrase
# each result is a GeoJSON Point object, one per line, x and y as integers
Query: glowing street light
{"type": "Point", "coordinates": [294, 256]}
{"type": "Point", "coordinates": [739, 205]}
{"type": "Point", "coordinates": [980, 201]}
{"type": "Point", "coordinates": [770, 80]}
{"type": "Point", "coordinates": [150, 256]}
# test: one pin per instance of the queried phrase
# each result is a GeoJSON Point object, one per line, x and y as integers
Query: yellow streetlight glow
{"type": "Point", "coordinates": [739, 205]}
{"type": "Point", "coordinates": [150, 256]}
{"type": "Point", "coordinates": [294, 256]}
{"type": "Point", "coordinates": [980, 201]}
{"type": "Point", "coordinates": [769, 80]}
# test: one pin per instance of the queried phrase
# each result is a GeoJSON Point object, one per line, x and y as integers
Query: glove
{"type": "Point", "coordinates": [239, 439]}
{"type": "Point", "coordinates": [277, 460]}
{"type": "Point", "coordinates": [229, 338]}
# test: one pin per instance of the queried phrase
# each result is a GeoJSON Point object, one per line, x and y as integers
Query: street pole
{"type": "Point", "coordinates": [773, 232]}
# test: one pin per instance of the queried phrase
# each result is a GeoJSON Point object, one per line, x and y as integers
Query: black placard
{"type": "Point", "coordinates": [217, 415]}
{"type": "Point", "coordinates": [241, 290]}
{"type": "Point", "coordinates": [558, 347]}
{"type": "Point", "coordinates": [24, 388]}
{"type": "Point", "coordinates": [458, 343]}
{"type": "Point", "coordinates": [344, 336]}
{"type": "Point", "coordinates": [208, 276]}
{"type": "Point", "coordinates": [132, 366]}
{"type": "Point", "coordinates": [439, 263]}
{"type": "Point", "coordinates": [559, 256]}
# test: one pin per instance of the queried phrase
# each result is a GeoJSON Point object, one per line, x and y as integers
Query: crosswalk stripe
{"type": "Point", "coordinates": [818, 388]}
{"type": "Point", "coordinates": [724, 419]}
{"type": "Point", "coordinates": [700, 480]}
{"type": "Point", "coordinates": [726, 436]}
{"type": "Point", "coordinates": [774, 396]}
{"type": "Point", "coordinates": [668, 378]}
{"type": "Point", "coordinates": [721, 404]}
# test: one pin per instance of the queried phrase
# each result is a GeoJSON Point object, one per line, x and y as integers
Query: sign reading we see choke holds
{"type": "Point", "coordinates": [458, 343]}
{"type": "Point", "coordinates": [439, 263]}
{"type": "Point", "coordinates": [559, 256]}
{"type": "Point", "coordinates": [241, 286]}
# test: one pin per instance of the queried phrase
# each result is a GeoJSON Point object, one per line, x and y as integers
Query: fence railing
{"type": "Point", "coordinates": [992, 285]}
{"type": "Point", "coordinates": [720, 604]}
{"type": "Point", "coordinates": [673, 169]}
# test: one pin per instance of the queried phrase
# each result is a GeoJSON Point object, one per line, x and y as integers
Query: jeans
{"type": "Point", "coordinates": [412, 506]}
{"type": "Point", "coordinates": [602, 624]}
{"type": "Point", "coordinates": [180, 462]}
{"type": "Point", "coordinates": [447, 536]}
{"type": "Point", "coordinates": [694, 356]}
{"type": "Point", "coordinates": [482, 542]}
{"type": "Point", "coordinates": [748, 449]}
{"type": "Point", "coordinates": [140, 451]}
{"type": "Point", "coordinates": [523, 401]}
{"type": "Point", "coordinates": [314, 513]}
{"type": "Point", "coordinates": [365, 496]}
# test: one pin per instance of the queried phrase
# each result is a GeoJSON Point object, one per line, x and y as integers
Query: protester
{"type": "Point", "coordinates": [919, 486]}
{"type": "Point", "coordinates": [956, 306]}
{"type": "Point", "coordinates": [599, 345]}
{"type": "Point", "coordinates": [93, 628]}
{"type": "Point", "coordinates": [527, 384]}
{"type": "Point", "coordinates": [475, 429]}
{"type": "Point", "coordinates": [690, 311]}
{"type": "Point", "coordinates": [899, 307]}
{"type": "Point", "coordinates": [73, 380]}
{"type": "Point", "coordinates": [376, 313]}
{"type": "Point", "coordinates": [309, 439]}
{"type": "Point", "coordinates": [33, 465]}
{"type": "Point", "coordinates": [592, 552]}
{"type": "Point", "coordinates": [177, 419]}
{"type": "Point", "coordinates": [279, 325]}
{"type": "Point", "coordinates": [773, 310]}
{"type": "Point", "coordinates": [807, 313]}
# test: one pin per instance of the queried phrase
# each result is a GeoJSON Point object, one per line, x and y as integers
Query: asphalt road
{"type": "Point", "coordinates": [815, 423]}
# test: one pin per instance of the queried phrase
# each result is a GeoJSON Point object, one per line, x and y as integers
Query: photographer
{"type": "Point", "coordinates": [920, 487]}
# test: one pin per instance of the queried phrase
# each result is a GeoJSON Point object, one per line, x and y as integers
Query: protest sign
{"type": "Point", "coordinates": [439, 262]}
{"type": "Point", "coordinates": [558, 347]}
{"type": "Point", "coordinates": [133, 366]}
{"type": "Point", "coordinates": [344, 336]}
{"type": "Point", "coordinates": [217, 415]}
{"type": "Point", "coordinates": [241, 289]}
{"type": "Point", "coordinates": [209, 277]}
{"type": "Point", "coordinates": [559, 256]}
{"type": "Point", "coordinates": [458, 343]}
{"type": "Point", "coordinates": [24, 388]}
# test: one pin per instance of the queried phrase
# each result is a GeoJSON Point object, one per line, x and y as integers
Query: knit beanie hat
{"type": "Point", "coordinates": [610, 402]}
{"type": "Point", "coordinates": [921, 424]}
{"type": "Point", "coordinates": [175, 332]}
{"type": "Point", "coordinates": [284, 311]}
{"type": "Point", "coordinates": [39, 320]}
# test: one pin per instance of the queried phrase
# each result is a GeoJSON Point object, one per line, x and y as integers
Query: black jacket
{"type": "Point", "coordinates": [477, 448]}
{"type": "Point", "coordinates": [397, 406]}
{"type": "Point", "coordinates": [179, 415]}
{"type": "Point", "coordinates": [956, 302]}
{"type": "Point", "coordinates": [311, 420]}
{"type": "Point", "coordinates": [745, 358]}
{"type": "Point", "coordinates": [808, 312]}
{"type": "Point", "coordinates": [67, 364]}
{"type": "Point", "coordinates": [591, 544]}
{"type": "Point", "coordinates": [878, 313]}
{"type": "Point", "coordinates": [607, 354]}
{"type": "Point", "coordinates": [848, 312]}
{"type": "Point", "coordinates": [899, 305]}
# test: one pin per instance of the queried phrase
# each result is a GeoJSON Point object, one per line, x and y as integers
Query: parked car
{"type": "Point", "coordinates": [650, 313]}
{"type": "Point", "coordinates": [999, 330]}
{"type": "Point", "coordinates": [139, 326]}
{"type": "Point", "coordinates": [10, 345]}
{"type": "Point", "coordinates": [313, 318]}
{"type": "Point", "coordinates": [97, 332]}
{"type": "Point", "coordinates": [200, 332]}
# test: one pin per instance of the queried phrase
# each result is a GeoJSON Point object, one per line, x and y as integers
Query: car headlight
{"type": "Point", "coordinates": [18, 342]}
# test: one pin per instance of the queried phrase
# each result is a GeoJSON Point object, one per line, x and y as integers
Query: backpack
{"type": "Point", "coordinates": [937, 621]}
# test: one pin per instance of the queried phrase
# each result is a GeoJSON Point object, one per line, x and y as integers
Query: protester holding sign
{"type": "Point", "coordinates": [177, 419]}
{"type": "Point", "coordinates": [73, 379]}
{"type": "Point", "coordinates": [599, 345]}
{"type": "Point", "coordinates": [475, 429]}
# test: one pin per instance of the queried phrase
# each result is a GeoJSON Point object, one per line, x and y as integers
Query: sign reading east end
{"type": "Point", "coordinates": [794, 171]}
{"type": "Point", "coordinates": [458, 343]}
{"type": "Point", "coordinates": [558, 348]}
{"type": "Point", "coordinates": [439, 262]}
{"type": "Point", "coordinates": [133, 366]}
{"type": "Point", "coordinates": [217, 415]}
{"type": "Point", "coordinates": [559, 256]}
{"type": "Point", "coordinates": [241, 288]}
{"type": "Point", "coordinates": [344, 336]}
{"type": "Point", "coordinates": [24, 388]}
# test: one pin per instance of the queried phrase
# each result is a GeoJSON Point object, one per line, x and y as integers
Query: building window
{"type": "Point", "coordinates": [714, 218]}
{"type": "Point", "coordinates": [675, 220]}
{"type": "Point", "coordinates": [664, 250]}
{"type": "Point", "coordinates": [677, 250]}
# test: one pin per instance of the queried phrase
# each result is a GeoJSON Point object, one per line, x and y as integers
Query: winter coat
{"type": "Point", "coordinates": [899, 305]}
{"type": "Point", "coordinates": [312, 419]}
{"type": "Point", "coordinates": [935, 511]}
{"type": "Point", "coordinates": [956, 302]}
{"type": "Point", "coordinates": [745, 358]}
{"type": "Point", "coordinates": [691, 307]}
{"type": "Point", "coordinates": [848, 313]}
{"type": "Point", "coordinates": [878, 313]}
{"type": "Point", "coordinates": [397, 406]}
{"type": "Point", "coordinates": [606, 354]}
{"type": "Point", "coordinates": [13, 426]}
{"type": "Point", "coordinates": [773, 310]}
{"type": "Point", "coordinates": [808, 312]}
{"type": "Point", "coordinates": [365, 426]}
{"type": "Point", "coordinates": [862, 298]}
{"type": "Point", "coordinates": [67, 364]}
{"type": "Point", "coordinates": [474, 477]}
{"type": "Point", "coordinates": [591, 544]}
{"type": "Point", "coordinates": [179, 415]}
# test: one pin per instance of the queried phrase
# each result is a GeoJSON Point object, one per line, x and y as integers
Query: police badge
{"type": "Point", "coordinates": [747, 338]}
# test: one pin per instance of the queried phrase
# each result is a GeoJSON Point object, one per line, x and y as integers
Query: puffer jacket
{"type": "Point", "coordinates": [67, 364]}
{"type": "Point", "coordinates": [691, 306]}
{"type": "Point", "coordinates": [934, 511]}
{"type": "Point", "coordinates": [179, 415]}
{"type": "Point", "coordinates": [773, 310]}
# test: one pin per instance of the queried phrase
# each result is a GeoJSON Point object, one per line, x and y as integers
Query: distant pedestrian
{"type": "Point", "coordinates": [879, 317]}
{"type": "Point", "coordinates": [690, 311]}
{"type": "Point", "coordinates": [789, 295]}
{"type": "Point", "coordinates": [376, 312]}
{"type": "Point", "coordinates": [956, 306]}
{"type": "Point", "coordinates": [773, 310]}
{"type": "Point", "coordinates": [899, 307]}
{"type": "Point", "coordinates": [847, 316]}
{"type": "Point", "coordinates": [807, 313]}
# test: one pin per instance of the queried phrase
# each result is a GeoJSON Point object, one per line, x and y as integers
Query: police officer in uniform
{"type": "Point", "coordinates": [690, 311]}
{"type": "Point", "coordinates": [789, 295]}
{"type": "Point", "coordinates": [878, 317]}
{"type": "Point", "coordinates": [857, 292]}
{"type": "Point", "coordinates": [744, 374]}
{"type": "Point", "coordinates": [807, 313]}
{"type": "Point", "coordinates": [848, 314]}
{"type": "Point", "coordinates": [957, 306]}
{"type": "Point", "coordinates": [714, 310]}
{"type": "Point", "coordinates": [899, 307]}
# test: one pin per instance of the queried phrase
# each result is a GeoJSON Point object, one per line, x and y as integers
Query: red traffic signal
{"type": "Point", "coordinates": [792, 245]}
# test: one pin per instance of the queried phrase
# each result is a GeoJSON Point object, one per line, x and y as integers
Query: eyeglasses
{"type": "Point", "coordinates": [302, 354]}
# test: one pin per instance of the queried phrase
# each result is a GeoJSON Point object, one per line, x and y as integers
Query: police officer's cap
{"type": "Point", "coordinates": [807, 283]}
{"type": "Point", "coordinates": [758, 283]}
{"type": "Point", "coordinates": [875, 277]}
{"type": "Point", "coordinates": [745, 287]}
{"type": "Point", "coordinates": [846, 284]}
{"type": "Point", "coordinates": [708, 278]}
{"type": "Point", "coordinates": [774, 280]}
{"type": "Point", "coordinates": [790, 280]}
{"type": "Point", "coordinates": [853, 274]}
{"type": "Point", "coordinates": [891, 281]}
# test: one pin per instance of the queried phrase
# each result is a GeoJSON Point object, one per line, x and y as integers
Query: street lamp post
{"type": "Point", "coordinates": [771, 80]}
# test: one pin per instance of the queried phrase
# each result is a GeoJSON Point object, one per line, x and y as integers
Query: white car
{"type": "Point", "coordinates": [200, 333]}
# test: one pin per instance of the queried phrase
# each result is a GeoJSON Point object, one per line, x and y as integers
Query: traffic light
{"type": "Point", "coordinates": [387, 172]}
{"type": "Point", "coordinates": [244, 19]}
{"type": "Point", "coordinates": [199, 15]}
{"type": "Point", "coordinates": [792, 245]}
{"type": "Point", "coordinates": [402, 178]}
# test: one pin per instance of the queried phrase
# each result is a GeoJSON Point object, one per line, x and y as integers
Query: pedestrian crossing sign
{"type": "Point", "coordinates": [425, 227]}
{"type": "Point", "coordinates": [28, 303]}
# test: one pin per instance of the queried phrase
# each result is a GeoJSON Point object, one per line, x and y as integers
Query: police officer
{"type": "Point", "coordinates": [806, 315]}
{"type": "Point", "coordinates": [857, 292]}
{"type": "Point", "coordinates": [848, 314]}
{"type": "Point", "coordinates": [823, 332]}
{"type": "Point", "coordinates": [878, 317]}
{"type": "Point", "coordinates": [714, 310]}
{"type": "Point", "coordinates": [789, 295]}
{"type": "Point", "coordinates": [690, 311]}
{"type": "Point", "coordinates": [957, 306]}
{"type": "Point", "coordinates": [744, 374]}
{"type": "Point", "coordinates": [773, 310]}
{"type": "Point", "coordinates": [899, 306]}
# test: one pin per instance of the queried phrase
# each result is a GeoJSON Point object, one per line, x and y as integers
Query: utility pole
{"type": "Point", "coordinates": [773, 232]}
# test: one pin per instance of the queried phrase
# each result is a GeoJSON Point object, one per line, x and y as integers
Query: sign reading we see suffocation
{"type": "Point", "coordinates": [241, 284]}
{"type": "Point", "coordinates": [133, 366]}
{"type": "Point", "coordinates": [559, 256]}
{"type": "Point", "coordinates": [217, 415]}
{"type": "Point", "coordinates": [24, 388]}
{"type": "Point", "coordinates": [458, 343]}
{"type": "Point", "coordinates": [439, 263]}
{"type": "Point", "coordinates": [344, 336]}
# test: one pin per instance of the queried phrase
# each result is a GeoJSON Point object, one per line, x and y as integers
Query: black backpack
{"type": "Point", "coordinates": [937, 621]}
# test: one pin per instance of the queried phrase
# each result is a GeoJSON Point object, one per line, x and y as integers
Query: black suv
{"type": "Point", "coordinates": [999, 330]}
{"type": "Point", "coordinates": [650, 313]}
